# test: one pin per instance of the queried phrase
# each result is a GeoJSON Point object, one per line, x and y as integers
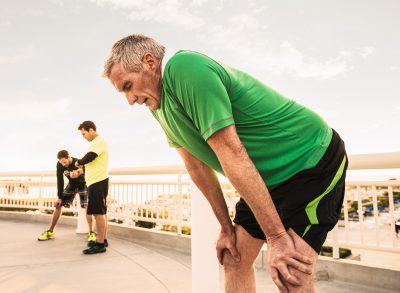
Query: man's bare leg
{"type": "Point", "coordinates": [106, 229]}
{"type": "Point", "coordinates": [306, 280]}
{"type": "Point", "coordinates": [56, 216]}
{"type": "Point", "coordinates": [89, 219]}
{"type": "Point", "coordinates": [240, 277]}
{"type": "Point", "coordinates": [101, 227]}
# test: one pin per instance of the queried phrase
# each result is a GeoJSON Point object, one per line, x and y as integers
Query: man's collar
{"type": "Point", "coordinates": [168, 54]}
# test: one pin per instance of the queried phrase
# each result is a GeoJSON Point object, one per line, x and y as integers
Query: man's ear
{"type": "Point", "coordinates": [149, 60]}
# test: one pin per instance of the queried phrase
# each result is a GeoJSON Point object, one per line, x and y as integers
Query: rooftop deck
{"type": "Point", "coordinates": [27, 265]}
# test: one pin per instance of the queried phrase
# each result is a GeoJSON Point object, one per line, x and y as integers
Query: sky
{"type": "Point", "coordinates": [339, 58]}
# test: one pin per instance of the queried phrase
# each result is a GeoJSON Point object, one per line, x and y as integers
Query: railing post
{"type": "Point", "coordinates": [205, 267]}
{"type": "Point", "coordinates": [391, 211]}
{"type": "Point", "coordinates": [346, 218]}
{"type": "Point", "coordinates": [375, 210]}
{"type": "Point", "coordinates": [180, 205]}
{"type": "Point", "coordinates": [40, 199]}
{"type": "Point", "coordinates": [360, 214]}
{"type": "Point", "coordinates": [335, 244]}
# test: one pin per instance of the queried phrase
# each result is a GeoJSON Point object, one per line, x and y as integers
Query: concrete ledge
{"type": "Point", "coordinates": [181, 243]}
{"type": "Point", "coordinates": [357, 273]}
{"type": "Point", "coordinates": [36, 218]}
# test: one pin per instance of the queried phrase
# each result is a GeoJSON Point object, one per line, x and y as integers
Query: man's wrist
{"type": "Point", "coordinates": [275, 236]}
{"type": "Point", "coordinates": [227, 229]}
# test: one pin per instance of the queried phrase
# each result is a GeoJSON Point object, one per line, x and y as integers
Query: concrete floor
{"type": "Point", "coordinates": [58, 265]}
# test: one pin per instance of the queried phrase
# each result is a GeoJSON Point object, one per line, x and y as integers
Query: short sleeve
{"type": "Point", "coordinates": [201, 86]}
{"type": "Point", "coordinates": [97, 146]}
{"type": "Point", "coordinates": [172, 144]}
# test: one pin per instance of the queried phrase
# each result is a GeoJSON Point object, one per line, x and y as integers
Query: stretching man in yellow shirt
{"type": "Point", "coordinates": [96, 176]}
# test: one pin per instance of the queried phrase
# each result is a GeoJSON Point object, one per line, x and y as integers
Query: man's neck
{"type": "Point", "coordinates": [168, 54]}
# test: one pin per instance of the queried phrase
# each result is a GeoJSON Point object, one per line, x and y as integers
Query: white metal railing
{"type": "Point", "coordinates": [159, 197]}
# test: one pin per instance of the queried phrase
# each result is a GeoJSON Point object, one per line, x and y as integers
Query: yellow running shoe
{"type": "Point", "coordinates": [91, 238]}
{"type": "Point", "coordinates": [47, 235]}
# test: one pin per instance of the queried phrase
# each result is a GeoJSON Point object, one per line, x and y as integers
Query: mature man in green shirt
{"type": "Point", "coordinates": [287, 164]}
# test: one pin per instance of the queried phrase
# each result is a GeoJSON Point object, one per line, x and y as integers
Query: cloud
{"type": "Point", "coordinates": [293, 60]}
{"type": "Point", "coordinates": [19, 57]}
{"type": "Point", "coordinates": [13, 59]}
{"type": "Point", "coordinates": [5, 23]}
{"type": "Point", "coordinates": [26, 108]}
{"type": "Point", "coordinates": [241, 34]}
{"type": "Point", "coordinates": [174, 12]}
{"type": "Point", "coordinates": [366, 51]}
{"type": "Point", "coordinates": [244, 21]}
{"type": "Point", "coordinates": [268, 56]}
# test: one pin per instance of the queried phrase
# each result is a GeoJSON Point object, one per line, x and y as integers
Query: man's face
{"type": "Point", "coordinates": [140, 87]}
{"type": "Point", "coordinates": [88, 135]}
{"type": "Point", "coordinates": [64, 162]}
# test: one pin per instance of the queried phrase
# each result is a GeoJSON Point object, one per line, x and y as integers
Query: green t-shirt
{"type": "Point", "coordinates": [201, 96]}
{"type": "Point", "coordinates": [97, 170]}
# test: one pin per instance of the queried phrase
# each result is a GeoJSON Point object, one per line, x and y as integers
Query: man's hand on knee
{"type": "Point", "coordinates": [57, 204]}
{"type": "Point", "coordinates": [226, 245]}
{"type": "Point", "coordinates": [281, 255]}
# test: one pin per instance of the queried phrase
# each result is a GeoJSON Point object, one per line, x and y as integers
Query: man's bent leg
{"type": "Point", "coordinates": [307, 281]}
{"type": "Point", "coordinates": [240, 276]}
{"type": "Point", "coordinates": [56, 216]}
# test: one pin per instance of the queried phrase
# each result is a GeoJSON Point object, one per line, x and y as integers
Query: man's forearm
{"type": "Point", "coordinates": [243, 175]}
{"type": "Point", "coordinates": [89, 157]}
{"type": "Point", "coordinates": [60, 184]}
{"type": "Point", "coordinates": [207, 181]}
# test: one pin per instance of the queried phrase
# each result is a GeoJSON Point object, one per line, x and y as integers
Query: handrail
{"type": "Point", "coordinates": [356, 162]}
{"type": "Point", "coordinates": [154, 170]}
{"type": "Point", "coordinates": [374, 161]}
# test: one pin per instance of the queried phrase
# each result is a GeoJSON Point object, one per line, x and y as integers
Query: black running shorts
{"type": "Point", "coordinates": [69, 195]}
{"type": "Point", "coordinates": [310, 202]}
{"type": "Point", "coordinates": [97, 193]}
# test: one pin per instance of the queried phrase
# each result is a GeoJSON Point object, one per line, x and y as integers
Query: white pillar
{"type": "Point", "coordinates": [204, 230]}
{"type": "Point", "coordinates": [82, 226]}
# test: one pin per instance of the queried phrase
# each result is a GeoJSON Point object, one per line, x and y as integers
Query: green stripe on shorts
{"type": "Point", "coordinates": [311, 208]}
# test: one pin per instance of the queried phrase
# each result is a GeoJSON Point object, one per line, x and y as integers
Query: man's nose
{"type": "Point", "coordinates": [131, 99]}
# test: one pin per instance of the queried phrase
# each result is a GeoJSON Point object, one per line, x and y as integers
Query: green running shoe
{"type": "Point", "coordinates": [47, 235]}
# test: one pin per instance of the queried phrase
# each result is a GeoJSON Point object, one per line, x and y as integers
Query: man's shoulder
{"type": "Point", "coordinates": [99, 142]}
{"type": "Point", "coordinates": [102, 140]}
{"type": "Point", "coordinates": [188, 59]}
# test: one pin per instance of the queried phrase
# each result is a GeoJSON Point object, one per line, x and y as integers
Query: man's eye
{"type": "Point", "coordinates": [127, 86]}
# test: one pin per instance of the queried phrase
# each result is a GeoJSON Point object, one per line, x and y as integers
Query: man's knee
{"type": "Point", "coordinates": [306, 281]}
{"type": "Point", "coordinates": [229, 262]}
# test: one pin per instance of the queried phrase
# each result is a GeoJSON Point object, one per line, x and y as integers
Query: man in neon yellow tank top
{"type": "Point", "coordinates": [287, 164]}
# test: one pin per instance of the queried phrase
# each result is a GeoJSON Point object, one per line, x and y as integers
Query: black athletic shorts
{"type": "Point", "coordinates": [97, 194]}
{"type": "Point", "coordinates": [69, 195]}
{"type": "Point", "coordinates": [310, 202]}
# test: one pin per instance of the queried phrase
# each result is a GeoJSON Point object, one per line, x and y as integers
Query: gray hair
{"type": "Point", "coordinates": [129, 52]}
